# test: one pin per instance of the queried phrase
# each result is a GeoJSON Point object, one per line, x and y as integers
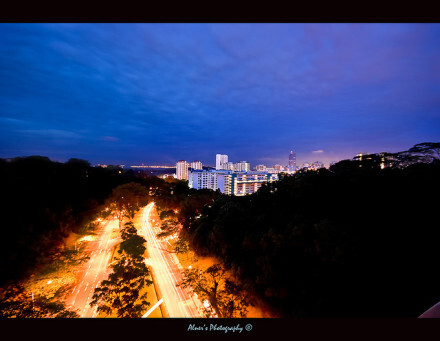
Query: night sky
{"type": "Point", "coordinates": [158, 93]}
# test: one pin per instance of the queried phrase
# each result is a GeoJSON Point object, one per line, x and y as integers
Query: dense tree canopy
{"type": "Point", "coordinates": [359, 239]}
{"type": "Point", "coordinates": [126, 200]}
{"type": "Point", "coordinates": [45, 201]}
{"type": "Point", "coordinates": [227, 300]}
{"type": "Point", "coordinates": [16, 302]}
{"type": "Point", "coordinates": [122, 293]}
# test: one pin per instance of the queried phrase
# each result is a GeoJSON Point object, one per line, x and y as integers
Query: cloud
{"type": "Point", "coordinates": [254, 90]}
{"type": "Point", "coordinates": [109, 138]}
{"type": "Point", "coordinates": [52, 133]}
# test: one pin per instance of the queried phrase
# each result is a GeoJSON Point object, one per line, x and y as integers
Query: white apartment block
{"type": "Point", "coordinates": [229, 166]}
{"type": "Point", "coordinates": [220, 160]}
{"type": "Point", "coordinates": [196, 165]}
{"type": "Point", "coordinates": [203, 179]}
{"type": "Point", "coordinates": [242, 166]}
{"type": "Point", "coordinates": [247, 183]}
{"type": "Point", "coordinates": [182, 170]}
{"type": "Point", "coordinates": [229, 182]}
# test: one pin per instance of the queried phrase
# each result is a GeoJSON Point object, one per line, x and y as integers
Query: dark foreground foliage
{"type": "Point", "coordinates": [44, 201]}
{"type": "Point", "coordinates": [357, 240]}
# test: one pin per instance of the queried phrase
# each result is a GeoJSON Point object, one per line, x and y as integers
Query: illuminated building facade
{"type": "Point", "coordinates": [182, 170]}
{"type": "Point", "coordinates": [228, 182]}
{"type": "Point", "coordinates": [220, 160]}
{"type": "Point", "coordinates": [200, 179]}
{"type": "Point", "coordinates": [196, 165]}
{"type": "Point", "coordinates": [246, 183]}
{"type": "Point", "coordinates": [292, 159]}
{"type": "Point", "coordinates": [242, 166]}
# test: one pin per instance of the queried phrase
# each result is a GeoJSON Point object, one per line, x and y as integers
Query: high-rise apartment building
{"type": "Point", "coordinates": [229, 166]}
{"type": "Point", "coordinates": [261, 168]}
{"type": "Point", "coordinates": [182, 170]}
{"type": "Point", "coordinates": [246, 183]}
{"type": "Point", "coordinates": [242, 166]}
{"type": "Point", "coordinates": [229, 182]}
{"type": "Point", "coordinates": [220, 160]}
{"type": "Point", "coordinates": [200, 179]}
{"type": "Point", "coordinates": [196, 165]}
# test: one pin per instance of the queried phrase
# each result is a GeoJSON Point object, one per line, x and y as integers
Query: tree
{"type": "Point", "coordinates": [126, 200]}
{"type": "Point", "coordinates": [182, 246]}
{"type": "Point", "coordinates": [16, 302]}
{"type": "Point", "coordinates": [169, 227]}
{"type": "Point", "coordinates": [225, 297]}
{"type": "Point", "coordinates": [121, 292]}
{"type": "Point", "coordinates": [133, 245]}
{"type": "Point", "coordinates": [166, 214]}
{"type": "Point", "coordinates": [78, 163]}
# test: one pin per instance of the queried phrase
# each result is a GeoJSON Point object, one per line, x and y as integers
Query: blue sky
{"type": "Point", "coordinates": [158, 93]}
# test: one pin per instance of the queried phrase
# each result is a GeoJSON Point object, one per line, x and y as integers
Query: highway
{"type": "Point", "coordinates": [94, 271]}
{"type": "Point", "coordinates": [167, 272]}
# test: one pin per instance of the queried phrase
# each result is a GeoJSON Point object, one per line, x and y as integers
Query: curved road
{"type": "Point", "coordinates": [167, 272]}
{"type": "Point", "coordinates": [94, 271]}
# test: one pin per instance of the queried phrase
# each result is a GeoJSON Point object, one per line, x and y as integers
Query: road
{"type": "Point", "coordinates": [167, 272]}
{"type": "Point", "coordinates": [94, 271]}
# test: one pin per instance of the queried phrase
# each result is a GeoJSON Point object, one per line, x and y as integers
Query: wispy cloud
{"type": "Point", "coordinates": [109, 138]}
{"type": "Point", "coordinates": [51, 133]}
{"type": "Point", "coordinates": [256, 90]}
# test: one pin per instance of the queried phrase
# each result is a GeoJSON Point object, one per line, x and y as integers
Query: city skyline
{"type": "Point", "coordinates": [158, 93]}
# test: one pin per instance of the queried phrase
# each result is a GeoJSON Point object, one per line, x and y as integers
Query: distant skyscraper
{"type": "Point", "coordinates": [196, 165]}
{"type": "Point", "coordinates": [220, 160]}
{"type": "Point", "coordinates": [182, 170]}
{"type": "Point", "coordinates": [292, 159]}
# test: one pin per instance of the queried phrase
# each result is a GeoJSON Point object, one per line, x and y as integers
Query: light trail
{"type": "Point", "coordinates": [168, 286]}
{"type": "Point", "coordinates": [94, 271]}
{"type": "Point", "coordinates": [167, 274]}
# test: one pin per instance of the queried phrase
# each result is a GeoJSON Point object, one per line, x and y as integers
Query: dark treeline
{"type": "Point", "coordinates": [175, 196]}
{"type": "Point", "coordinates": [360, 239]}
{"type": "Point", "coordinates": [43, 201]}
